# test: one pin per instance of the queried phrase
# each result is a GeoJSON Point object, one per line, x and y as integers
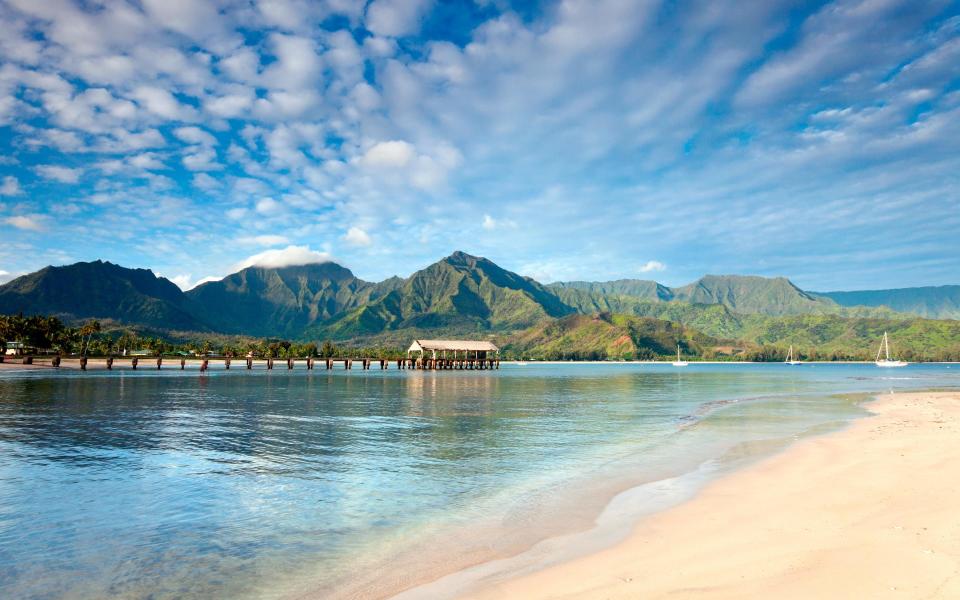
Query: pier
{"type": "Point", "coordinates": [112, 363]}
{"type": "Point", "coordinates": [434, 355]}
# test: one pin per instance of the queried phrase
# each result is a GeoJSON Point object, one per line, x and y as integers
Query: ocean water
{"type": "Point", "coordinates": [275, 484]}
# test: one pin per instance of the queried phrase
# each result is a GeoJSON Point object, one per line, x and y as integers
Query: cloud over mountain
{"type": "Point", "coordinates": [285, 257]}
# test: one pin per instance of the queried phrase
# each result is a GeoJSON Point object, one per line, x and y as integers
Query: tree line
{"type": "Point", "coordinates": [46, 334]}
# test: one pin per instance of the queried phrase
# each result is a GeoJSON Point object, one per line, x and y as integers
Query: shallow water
{"type": "Point", "coordinates": [267, 484]}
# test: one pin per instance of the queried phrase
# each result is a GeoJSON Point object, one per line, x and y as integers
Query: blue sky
{"type": "Point", "coordinates": [593, 140]}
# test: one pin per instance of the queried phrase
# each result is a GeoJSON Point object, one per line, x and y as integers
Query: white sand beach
{"type": "Point", "coordinates": [867, 512]}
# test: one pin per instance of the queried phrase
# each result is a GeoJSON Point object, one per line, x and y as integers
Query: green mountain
{"type": "Point", "coordinates": [469, 296]}
{"type": "Point", "coordinates": [283, 302]}
{"type": "Point", "coordinates": [753, 295]}
{"type": "Point", "coordinates": [940, 302]}
{"type": "Point", "coordinates": [460, 293]}
{"type": "Point", "coordinates": [740, 293]}
{"type": "Point", "coordinates": [101, 290]}
{"type": "Point", "coordinates": [748, 337]}
{"type": "Point", "coordinates": [606, 336]}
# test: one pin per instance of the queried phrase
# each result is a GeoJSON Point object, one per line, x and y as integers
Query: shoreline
{"type": "Point", "coordinates": [844, 523]}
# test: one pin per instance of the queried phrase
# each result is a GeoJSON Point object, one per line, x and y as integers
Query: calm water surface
{"type": "Point", "coordinates": [237, 484]}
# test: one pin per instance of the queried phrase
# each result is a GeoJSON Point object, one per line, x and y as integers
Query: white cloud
{"type": "Point", "coordinates": [489, 223]}
{"type": "Point", "coordinates": [204, 182]}
{"type": "Point", "coordinates": [61, 174]}
{"type": "Point", "coordinates": [266, 206]}
{"type": "Point", "coordinates": [297, 65]}
{"type": "Point", "coordinates": [286, 257]}
{"type": "Point", "coordinates": [162, 103]}
{"type": "Point", "coordinates": [25, 222]}
{"type": "Point", "coordinates": [392, 154]}
{"type": "Point", "coordinates": [182, 281]}
{"type": "Point", "coordinates": [6, 276]}
{"type": "Point", "coordinates": [195, 135]}
{"type": "Point", "coordinates": [10, 186]}
{"type": "Point", "coordinates": [398, 162]}
{"type": "Point", "coordinates": [196, 19]}
{"type": "Point", "coordinates": [651, 266]}
{"type": "Point", "coordinates": [201, 158]}
{"type": "Point", "coordinates": [147, 160]}
{"type": "Point", "coordinates": [185, 281]}
{"type": "Point", "coordinates": [357, 237]}
{"type": "Point", "coordinates": [394, 18]}
{"type": "Point", "coordinates": [230, 106]}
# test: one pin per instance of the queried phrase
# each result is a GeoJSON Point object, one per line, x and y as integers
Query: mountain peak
{"type": "Point", "coordinates": [458, 257]}
{"type": "Point", "coordinates": [100, 290]}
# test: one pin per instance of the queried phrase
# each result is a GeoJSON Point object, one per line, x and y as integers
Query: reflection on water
{"type": "Point", "coordinates": [250, 484]}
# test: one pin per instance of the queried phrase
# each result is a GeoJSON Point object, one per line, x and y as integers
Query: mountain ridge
{"type": "Point", "coordinates": [459, 294]}
{"type": "Point", "coordinates": [741, 293]}
{"type": "Point", "coordinates": [101, 290]}
{"type": "Point", "coordinates": [941, 301]}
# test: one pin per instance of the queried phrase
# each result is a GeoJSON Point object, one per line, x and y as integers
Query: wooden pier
{"type": "Point", "coordinates": [444, 355]}
{"type": "Point", "coordinates": [140, 363]}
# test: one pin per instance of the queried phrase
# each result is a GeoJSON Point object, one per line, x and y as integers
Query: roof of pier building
{"type": "Point", "coordinates": [452, 345]}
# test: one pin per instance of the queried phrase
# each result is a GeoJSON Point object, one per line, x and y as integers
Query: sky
{"type": "Point", "coordinates": [590, 140]}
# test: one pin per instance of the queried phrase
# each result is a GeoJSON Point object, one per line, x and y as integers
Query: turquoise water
{"type": "Point", "coordinates": [236, 484]}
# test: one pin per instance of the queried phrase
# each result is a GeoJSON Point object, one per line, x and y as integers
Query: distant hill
{"type": "Point", "coordinates": [606, 336]}
{"type": "Point", "coordinates": [101, 290]}
{"type": "Point", "coordinates": [941, 302]}
{"type": "Point", "coordinates": [740, 293]}
{"type": "Point", "coordinates": [753, 295]}
{"type": "Point", "coordinates": [749, 337]}
{"type": "Point", "coordinates": [283, 302]}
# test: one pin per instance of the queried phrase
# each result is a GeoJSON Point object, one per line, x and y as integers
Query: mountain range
{"type": "Point", "coordinates": [461, 295]}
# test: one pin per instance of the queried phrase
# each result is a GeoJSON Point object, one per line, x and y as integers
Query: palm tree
{"type": "Point", "coordinates": [86, 332]}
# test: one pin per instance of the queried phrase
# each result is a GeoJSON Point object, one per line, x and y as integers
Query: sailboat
{"type": "Point", "coordinates": [885, 350]}
{"type": "Point", "coordinates": [678, 362]}
{"type": "Point", "coordinates": [790, 359]}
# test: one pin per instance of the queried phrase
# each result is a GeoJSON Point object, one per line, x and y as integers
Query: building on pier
{"type": "Point", "coordinates": [455, 349]}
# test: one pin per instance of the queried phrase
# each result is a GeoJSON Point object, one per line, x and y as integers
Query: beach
{"type": "Point", "coordinates": [866, 512]}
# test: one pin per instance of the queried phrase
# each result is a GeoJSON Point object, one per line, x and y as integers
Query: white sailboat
{"type": "Point", "coordinates": [790, 359]}
{"type": "Point", "coordinates": [885, 350]}
{"type": "Point", "coordinates": [678, 362]}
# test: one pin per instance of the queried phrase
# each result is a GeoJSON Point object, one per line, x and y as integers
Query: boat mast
{"type": "Point", "coordinates": [886, 344]}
